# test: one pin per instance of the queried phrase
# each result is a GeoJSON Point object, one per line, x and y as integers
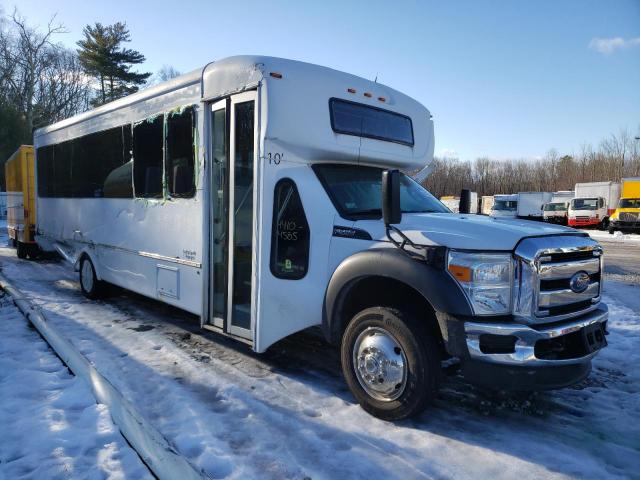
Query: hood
{"type": "Point", "coordinates": [472, 232]}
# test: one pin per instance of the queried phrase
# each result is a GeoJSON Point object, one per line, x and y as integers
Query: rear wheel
{"type": "Point", "coordinates": [605, 224]}
{"type": "Point", "coordinates": [390, 362]}
{"type": "Point", "coordinates": [21, 250]}
{"type": "Point", "coordinates": [612, 230]}
{"type": "Point", "coordinates": [89, 284]}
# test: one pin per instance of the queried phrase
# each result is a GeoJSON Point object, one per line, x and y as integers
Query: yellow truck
{"type": "Point", "coordinates": [627, 215]}
{"type": "Point", "coordinates": [21, 201]}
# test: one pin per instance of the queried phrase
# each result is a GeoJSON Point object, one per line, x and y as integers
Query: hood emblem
{"type": "Point", "coordinates": [579, 282]}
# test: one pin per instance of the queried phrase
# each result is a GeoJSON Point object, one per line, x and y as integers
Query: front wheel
{"type": "Point", "coordinates": [605, 224]}
{"type": "Point", "coordinates": [390, 362]}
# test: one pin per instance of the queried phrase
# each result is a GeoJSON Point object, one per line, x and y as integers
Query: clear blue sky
{"type": "Point", "coordinates": [502, 78]}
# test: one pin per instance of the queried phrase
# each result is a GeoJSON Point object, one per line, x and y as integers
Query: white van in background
{"type": "Point", "coordinates": [505, 206]}
{"type": "Point", "coordinates": [530, 204]}
{"type": "Point", "coordinates": [557, 210]}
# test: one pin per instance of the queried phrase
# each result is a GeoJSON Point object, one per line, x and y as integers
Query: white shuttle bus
{"type": "Point", "coordinates": [265, 196]}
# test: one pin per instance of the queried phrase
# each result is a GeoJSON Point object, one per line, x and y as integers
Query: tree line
{"type": "Point", "coordinates": [615, 157]}
{"type": "Point", "coordinates": [42, 81]}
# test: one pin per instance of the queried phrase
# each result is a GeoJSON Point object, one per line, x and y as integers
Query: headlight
{"type": "Point", "coordinates": [486, 279]}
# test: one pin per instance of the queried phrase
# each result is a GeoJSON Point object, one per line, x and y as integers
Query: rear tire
{"type": "Point", "coordinates": [605, 224]}
{"type": "Point", "coordinates": [21, 250]}
{"type": "Point", "coordinates": [612, 231]}
{"type": "Point", "coordinates": [390, 362]}
{"type": "Point", "coordinates": [89, 284]}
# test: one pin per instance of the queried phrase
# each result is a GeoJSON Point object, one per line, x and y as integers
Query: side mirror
{"type": "Point", "coordinates": [465, 201]}
{"type": "Point", "coordinates": [391, 212]}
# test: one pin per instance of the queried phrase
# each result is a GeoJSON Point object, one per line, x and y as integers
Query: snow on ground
{"type": "Point", "coordinates": [288, 413]}
{"type": "Point", "coordinates": [50, 424]}
{"type": "Point", "coordinates": [618, 237]}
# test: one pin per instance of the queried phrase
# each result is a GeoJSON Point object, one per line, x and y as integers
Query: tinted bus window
{"type": "Point", "coordinates": [290, 234]}
{"type": "Point", "coordinates": [147, 157]}
{"type": "Point", "coordinates": [180, 153]}
{"type": "Point", "coordinates": [372, 122]}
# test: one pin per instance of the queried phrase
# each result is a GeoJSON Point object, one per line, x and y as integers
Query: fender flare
{"type": "Point", "coordinates": [437, 287]}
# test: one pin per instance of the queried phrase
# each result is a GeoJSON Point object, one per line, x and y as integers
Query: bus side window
{"type": "Point", "coordinates": [147, 157]}
{"type": "Point", "coordinates": [179, 163]}
{"type": "Point", "coordinates": [290, 233]}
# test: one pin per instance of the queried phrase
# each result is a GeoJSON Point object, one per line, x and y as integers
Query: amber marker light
{"type": "Point", "coordinates": [276, 75]}
{"type": "Point", "coordinates": [368, 95]}
{"type": "Point", "coordinates": [462, 274]}
{"type": "Point", "coordinates": [351, 90]}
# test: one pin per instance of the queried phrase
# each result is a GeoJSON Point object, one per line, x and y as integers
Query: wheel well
{"type": "Point", "coordinates": [382, 291]}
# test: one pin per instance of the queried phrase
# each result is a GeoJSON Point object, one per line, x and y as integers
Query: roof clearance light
{"type": "Point", "coordinates": [368, 95]}
{"type": "Point", "coordinates": [351, 90]}
{"type": "Point", "coordinates": [382, 99]}
{"type": "Point", "coordinates": [276, 75]}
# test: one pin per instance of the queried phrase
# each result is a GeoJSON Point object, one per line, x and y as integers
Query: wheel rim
{"type": "Point", "coordinates": [380, 364]}
{"type": "Point", "coordinates": [87, 276]}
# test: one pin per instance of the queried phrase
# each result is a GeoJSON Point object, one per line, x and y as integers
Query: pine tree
{"type": "Point", "coordinates": [102, 57]}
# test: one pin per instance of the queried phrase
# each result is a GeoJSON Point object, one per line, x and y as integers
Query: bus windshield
{"type": "Point", "coordinates": [584, 203]}
{"type": "Point", "coordinates": [355, 191]}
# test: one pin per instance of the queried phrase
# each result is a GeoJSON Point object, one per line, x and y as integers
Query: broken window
{"type": "Point", "coordinates": [147, 157]}
{"type": "Point", "coordinates": [179, 162]}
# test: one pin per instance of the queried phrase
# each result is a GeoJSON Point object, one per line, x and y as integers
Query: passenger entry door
{"type": "Point", "coordinates": [233, 161]}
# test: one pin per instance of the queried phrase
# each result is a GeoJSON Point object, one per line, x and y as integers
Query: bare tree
{"type": "Point", "coordinates": [40, 79]}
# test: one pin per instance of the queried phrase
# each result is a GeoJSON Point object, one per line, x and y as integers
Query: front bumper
{"type": "Point", "coordinates": [528, 357]}
{"type": "Point", "coordinates": [577, 222]}
{"type": "Point", "coordinates": [627, 226]}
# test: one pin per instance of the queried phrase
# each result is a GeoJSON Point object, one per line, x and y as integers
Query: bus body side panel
{"type": "Point", "coordinates": [288, 306]}
{"type": "Point", "coordinates": [149, 246]}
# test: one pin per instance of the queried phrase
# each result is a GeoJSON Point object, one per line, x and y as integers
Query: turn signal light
{"type": "Point", "coordinates": [462, 274]}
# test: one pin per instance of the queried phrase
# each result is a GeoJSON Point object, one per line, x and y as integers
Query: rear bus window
{"type": "Point", "coordinates": [290, 235]}
{"type": "Point", "coordinates": [147, 157]}
{"type": "Point", "coordinates": [362, 120]}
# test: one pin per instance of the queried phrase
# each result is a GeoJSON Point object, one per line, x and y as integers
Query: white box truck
{"type": "Point", "coordinates": [486, 204]}
{"type": "Point", "coordinates": [556, 211]}
{"type": "Point", "coordinates": [593, 204]}
{"type": "Point", "coordinates": [265, 196]}
{"type": "Point", "coordinates": [530, 204]}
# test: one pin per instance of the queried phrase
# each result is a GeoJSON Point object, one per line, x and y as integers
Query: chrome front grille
{"type": "Point", "coordinates": [557, 277]}
{"type": "Point", "coordinates": [555, 273]}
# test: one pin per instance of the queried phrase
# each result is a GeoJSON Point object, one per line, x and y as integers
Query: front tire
{"type": "Point", "coordinates": [390, 362]}
{"type": "Point", "coordinates": [89, 284]}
